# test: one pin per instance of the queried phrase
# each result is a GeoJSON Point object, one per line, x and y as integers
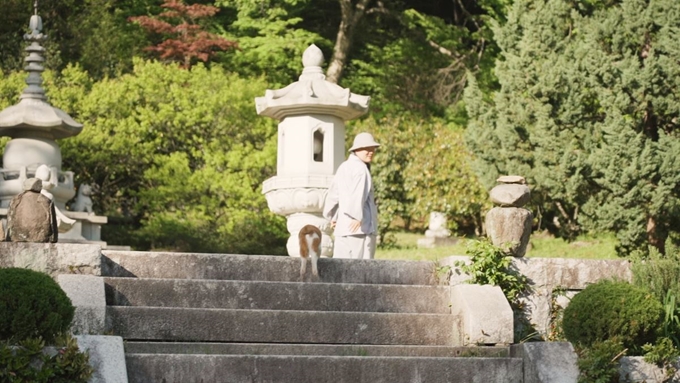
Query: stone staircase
{"type": "Point", "coordinates": [235, 318]}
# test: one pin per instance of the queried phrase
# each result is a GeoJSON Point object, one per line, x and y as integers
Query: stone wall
{"type": "Point", "coordinates": [563, 276]}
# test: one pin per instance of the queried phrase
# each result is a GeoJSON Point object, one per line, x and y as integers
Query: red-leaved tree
{"type": "Point", "coordinates": [184, 38]}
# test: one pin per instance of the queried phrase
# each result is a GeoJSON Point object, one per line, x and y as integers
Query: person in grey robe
{"type": "Point", "coordinates": [350, 202]}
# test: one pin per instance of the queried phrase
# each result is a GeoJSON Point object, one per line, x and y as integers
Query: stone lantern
{"type": "Point", "coordinates": [311, 145]}
{"type": "Point", "coordinates": [34, 126]}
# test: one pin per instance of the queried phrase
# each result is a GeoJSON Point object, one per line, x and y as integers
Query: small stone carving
{"type": "Point", "coordinates": [44, 174]}
{"type": "Point", "coordinates": [437, 233]}
{"type": "Point", "coordinates": [83, 201]}
{"type": "Point", "coordinates": [508, 225]}
{"type": "Point", "coordinates": [31, 216]}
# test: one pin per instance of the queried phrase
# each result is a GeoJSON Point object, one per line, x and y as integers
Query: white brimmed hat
{"type": "Point", "coordinates": [363, 140]}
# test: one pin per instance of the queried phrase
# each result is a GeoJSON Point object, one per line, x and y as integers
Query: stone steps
{"type": "Point", "coordinates": [208, 348]}
{"type": "Point", "coordinates": [233, 318]}
{"type": "Point", "coordinates": [262, 295]}
{"type": "Point", "coordinates": [189, 368]}
{"type": "Point", "coordinates": [263, 268]}
{"type": "Point", "coordinates": [280, 326]}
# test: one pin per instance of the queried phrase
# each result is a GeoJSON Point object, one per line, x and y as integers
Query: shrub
{"type": "Point", "coordinates": [600, 362]}
{"type": "Point", "coordinates": [613, 309]}
{"type": "Point", "coordinates": [32, 305]}
{"type": "Point", "coordinates": [31, 362]}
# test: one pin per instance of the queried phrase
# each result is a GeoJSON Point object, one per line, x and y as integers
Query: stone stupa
{"type": "Point", "coordinates": [34, 126]}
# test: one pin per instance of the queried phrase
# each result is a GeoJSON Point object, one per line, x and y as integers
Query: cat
{"type": "Point", "coordinates": [310, 246]}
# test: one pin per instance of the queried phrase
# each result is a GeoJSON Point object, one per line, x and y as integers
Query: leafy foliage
{"type": "Point", "coordinates": [184, 39]}
{"type": "Point", "coordinates": [419, 168]}
{"type": "Point", "coordinates": [28, 362]}
{"type": "Point", "coordinates": [177, 158]}
{"type": "Point", "coordinates": [600, 362]}
{"type": "Point", "coordinates": [32, 305]}
{"type": "Point", "coordinates": [490, 265]}
{"type": "Point", "coordinates": [609, 310]}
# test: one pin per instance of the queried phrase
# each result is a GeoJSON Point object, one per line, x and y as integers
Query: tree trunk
{"type": "Point", "coordinates": [653, 236]}
{"type": "Point", "coordinates": [351, 16]}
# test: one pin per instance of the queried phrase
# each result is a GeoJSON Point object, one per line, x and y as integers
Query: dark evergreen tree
{"type": "Point", "coordinates": [588, 111]}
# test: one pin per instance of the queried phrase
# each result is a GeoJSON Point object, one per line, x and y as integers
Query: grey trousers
{"type": "Point", "coordinates": [355, 246]}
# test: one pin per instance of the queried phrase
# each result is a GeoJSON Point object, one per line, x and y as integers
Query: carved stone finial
{"type": "Point", "coordinates": [34, 59]}
{"type": "Point", "coordinates": [312, 57]}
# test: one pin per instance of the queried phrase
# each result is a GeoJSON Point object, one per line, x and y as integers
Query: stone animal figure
{"type": "Point", "coordinates": [83, 201]}
{"type": "Point", "coordinates": [310, 246]}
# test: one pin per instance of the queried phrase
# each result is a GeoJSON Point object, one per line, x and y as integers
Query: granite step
{"type": "Point", "coordinates": [262, 295]}
{"type": "Point", "coordinates": [213, 348]}
{"type": "Point", "coordinates": [201, 368]}
{"type": "Point", "coordinates": [280, 326]}
{"type": "Point", "coordinates": [265, 268]}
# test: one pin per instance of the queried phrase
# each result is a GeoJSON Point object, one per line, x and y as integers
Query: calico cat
{"type": "Point", "coordinates": [310, 246]}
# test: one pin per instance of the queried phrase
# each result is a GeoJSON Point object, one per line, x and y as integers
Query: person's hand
{"type": "Point", "coordinates": [354, 225]}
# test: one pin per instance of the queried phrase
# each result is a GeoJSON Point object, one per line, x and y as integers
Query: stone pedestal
{"type": "Point", "coordinates": [300, 199]}
{"type": "Point", "coordinates": [508, 225]}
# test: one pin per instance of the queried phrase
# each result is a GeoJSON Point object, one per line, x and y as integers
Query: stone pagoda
{"type": "Point", "coordinates": [311, 145]}
{"type": "Point", "coordinates": [34, 126]}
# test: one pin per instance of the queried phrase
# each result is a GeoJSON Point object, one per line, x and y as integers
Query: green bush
{"type": "Point", "coordinates": [32, 305]}
{"type": "Point", "coordinates": [599, 363]}
{"type": "Point", "coordinates": [31, 362]}
{"type": "Point", "coordinates": [613, 309]}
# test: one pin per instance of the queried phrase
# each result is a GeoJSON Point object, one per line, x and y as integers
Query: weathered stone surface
{"type": "Point", "coordinates": [87, 295]}
{"type": "Point", "coordinates": [31, 216]}
{"type": "Point", "coordinates": [52, 258]}
{"type": "Point", "coordinates": [634, 369]}
{"type": "Point", "coordinates": [514, 195]}
{"type": "Point", "coordinates": [547, 362]}
{"type": "Point", "coordinates": [547, 274]}
{"type": "Point", "coordinates": [107, 357]}
{"type": "Point", "coordinates": [268, 295]}
{"type": "Point", "coordinates": [486, 315]}
{"type": "Point", "coordinates": [511, 180]}
{"type": "Point", "coordinates": [280, 326]}
{"type": "Point", "coordinates": [144, 368]}
{"type": "Point", "coordinates": [511, 227]}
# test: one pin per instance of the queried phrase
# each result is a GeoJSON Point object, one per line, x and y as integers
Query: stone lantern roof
{"type": "Point", "coordinates": [312, 94]}
{"type": "Point", "coordinates": [33, 116]}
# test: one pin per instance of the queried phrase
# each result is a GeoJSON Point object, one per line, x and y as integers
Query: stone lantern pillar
{"type": "Point", "coordinates": [34, 126]}
{"type": "Point", "coordinates": [311, 145]}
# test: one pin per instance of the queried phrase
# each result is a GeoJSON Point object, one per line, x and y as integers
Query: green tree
{"type": "Point", "coordinates": [177, 157]}
{"type": "Point", "coordinates": [587, 111]}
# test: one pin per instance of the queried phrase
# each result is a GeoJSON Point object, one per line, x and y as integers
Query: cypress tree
{"type": "Point", "coordinates": [588, 111]}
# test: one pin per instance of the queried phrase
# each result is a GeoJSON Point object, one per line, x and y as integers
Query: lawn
{"type": "Point", "coordinates": [542, 245]}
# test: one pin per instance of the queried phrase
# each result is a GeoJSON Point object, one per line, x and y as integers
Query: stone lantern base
{"type": "Point", "coordinates": [300, 199]}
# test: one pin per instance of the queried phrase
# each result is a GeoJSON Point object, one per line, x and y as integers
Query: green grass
{"type": "Point", "coordinates": [542, 246]}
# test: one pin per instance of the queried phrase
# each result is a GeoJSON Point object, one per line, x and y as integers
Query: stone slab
{"type": "Point", "coordinates": [144, 368]}
{"type": "Point", "coordinates": [280, 326]}
{"type": "Point", "coordinates": [52, 258]}
{"type": "Point", "coordinates": [547, 362]}
{"type": "Point", "coordinates": [134, 347]}
{"type": "Point", "coordinates": [263, 268]}
{"type": "Point", "coordinates": [265, 295]}
{"type": "Point", "coordinates": [486, 315]}
{"type": "Point", "coordinates": [107, 357]}
{"type": "Point", "coordinates": [89, 298]}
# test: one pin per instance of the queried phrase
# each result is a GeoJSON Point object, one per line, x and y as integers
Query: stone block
{"type": "Point", "coordinates": [107, 357]}
{"type": "Point", "coordinates": [547, 362]}
{"type": "Point", "coordinates": [89, 298]}
{"type": "Point", "coordinates": [485, 315]}
{"type": "Point", "coordinates": [509, 226]}
{"type": "Point", "coordinates": [52, 258]}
